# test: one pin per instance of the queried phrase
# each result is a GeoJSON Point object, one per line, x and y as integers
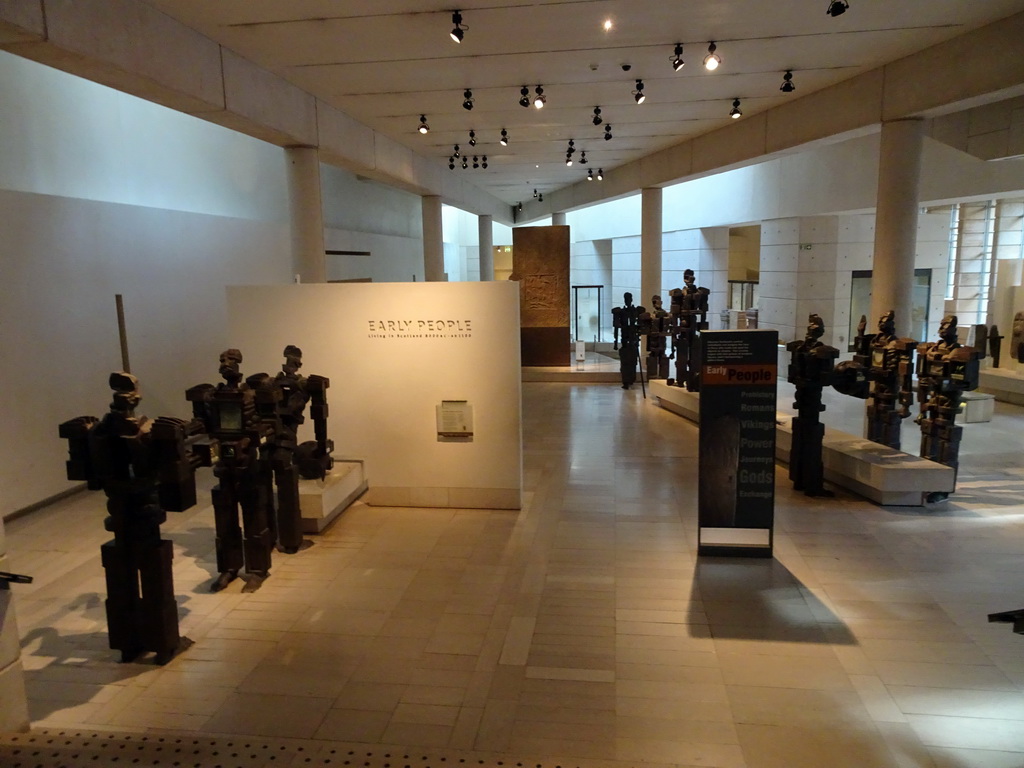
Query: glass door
{"type": "Point", "coordinates": [586, 303]}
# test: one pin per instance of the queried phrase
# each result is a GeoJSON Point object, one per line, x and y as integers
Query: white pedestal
{"type": "Point", "coordinates": [978, 407]}
{"type": "Point", "coordinates": [320, 501]}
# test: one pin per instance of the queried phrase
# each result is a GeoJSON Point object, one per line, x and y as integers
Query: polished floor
{"type": "Point", "coordinates": [581, 630]}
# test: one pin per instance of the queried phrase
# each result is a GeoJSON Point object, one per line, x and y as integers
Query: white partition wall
{"type": "Point", "coordinates": [393, 353]}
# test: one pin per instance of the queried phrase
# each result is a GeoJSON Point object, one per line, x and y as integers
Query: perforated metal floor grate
{"type": "Point", "coordinates": [73, 748]}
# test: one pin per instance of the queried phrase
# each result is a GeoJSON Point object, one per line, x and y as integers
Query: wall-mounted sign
{"type": "Point", "coordinates": [736, 490]}
{"type": "Point", "coordinates": [454, 419]}
{"type": "Point", "coordinates": [420, 328]}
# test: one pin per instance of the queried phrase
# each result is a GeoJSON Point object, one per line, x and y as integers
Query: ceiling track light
{"type": "Point", "coordinates": [476, 161]}
{"type": "Point", "coordinates": [677, 58]}
{"type": "Point", "coordinates": [534, 192]}
{"type": "Point", "coordinates": [597, 116]}
{"type": "Point", "coordinates": [638, 94]}
{"type": "Point", "coordinates": [465, 163]}
{"type": "Point", "coordinates": [735, 112]}
{"type": "Point", "coordinates": [451, 163]}
{"type": "Point", "coordinates": [424, 128]}
{"type": "Point", "coordinates": [787, 82]}
{"type": "Point", "coordinates": [504, 138]}
{"type": "Point", "coordinates": [459, 30]}
{"type": "Point", "coordinates": [837, 7]}
{"type": "Point", "coordinates": [455, 154]}
{"type": "Point", "coordinates": [524, 99]}
{"type": "Point", "coordinates": [472, 138]}
{"type": "Point", "coordinates": [590, 174]}
{"type": "Point", "coordinates": [468, 96]}
{"type": "Point", "coordinates": [583, 157]}
{"type": "Point", "coordinates": [540, 198]}
{"type": "Point", "coordinates": [600, 174]}
{"type": "Point", "coordinates": [712, 60]}
{"type": "Point", "coordinates": [540, 99]}
{"type": "Point", "coordinates": [483, 162]}
{"type": "Point", "coordinates": [607, 131]}
{"type": "Point", "coordinates": [520, 207]}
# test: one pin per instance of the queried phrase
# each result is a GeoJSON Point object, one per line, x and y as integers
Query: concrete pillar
{"type": "Point", "coordinates": [433, 240]}
{"type": "Point", "coordinates": [650, 246]}
{"type": "Point", "coordinates": [13, 701]}
{"type": "Point", "coordinates": [486, 225]}
{"type": "Point", "coordinates": [558, 219]}
{"type": "Point", "coordinates": [307, 217]}
{"type": "Point", "coordinates": [899, 172]}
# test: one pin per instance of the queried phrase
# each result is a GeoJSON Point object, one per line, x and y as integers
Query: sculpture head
{"type": "Point", "coordinates": [1018, 323]}
{"type": "Point", "coordinates": [815, 327]}
{"type": "Point", "coordinates": [230, 360]}
{"type": "Point", "coordinates": [689, 278]}
{"type": "Point", "coordinates": [887, 323]}
{"type": "Point", "coordinates": [627, 299]}
{"type": "Point", "coordinates": [126, 393]}
{"type": "Point", "coordinates": [947, 329]}
{"type": "Point", "coordinates": [656, 301]}
{"type": "Point", "coordinates": [292, 359]}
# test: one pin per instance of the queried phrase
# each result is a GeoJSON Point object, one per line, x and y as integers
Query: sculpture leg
{"type": "Point", "coordinates": [158, 610]}
{"type": "Point", "coordinates": [796, 454]}
{"type": "Point", "coordinates": [122, 599]}
{"type": "Point", "coordinates": [258, 542]}
{"type": "Point", "coordinates": [229, 534]}
{"type": "Point", "coordinates": [627, 363]}
{"type": "Point", "coordinates": [289, 515]}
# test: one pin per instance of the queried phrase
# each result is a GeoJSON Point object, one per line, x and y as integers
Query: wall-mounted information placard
{"type": "Point", "coordinates": [455, 419]}
{"type": "Point", "coordinates": [736, 486]}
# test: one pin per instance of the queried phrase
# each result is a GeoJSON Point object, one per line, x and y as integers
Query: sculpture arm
{"type": "Point", "coordinates": [80, 465]}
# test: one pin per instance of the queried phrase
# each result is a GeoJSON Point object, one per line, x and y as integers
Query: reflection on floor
{"type": "Point", "coordinates": [582, 628]}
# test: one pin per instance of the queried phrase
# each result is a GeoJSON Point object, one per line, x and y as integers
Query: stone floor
{"type": "Point", "coordinates": [581, 629]}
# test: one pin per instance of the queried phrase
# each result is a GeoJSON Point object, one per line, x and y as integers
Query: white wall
{"type": "Point", "coordinates": [386, 382]}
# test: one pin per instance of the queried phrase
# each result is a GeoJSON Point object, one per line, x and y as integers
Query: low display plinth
{"type": "Point", "coordinates": [876, 472]}
{"type": "Point", "coordinates": [1005, 384]}
{"type": "Point", "coordinates": [320, 501]}
{"type": "Point", "coordinates": [978, 407]}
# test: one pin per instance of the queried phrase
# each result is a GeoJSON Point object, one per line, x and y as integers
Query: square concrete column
{"type": "Point", "coordinates": [433, 242]}
{"type": "Point", "coordinates": [650, 245]}
{"type": "Point", "coordinates": [305, 206]}
{"type": "Point", "coordinates": [486, 225]}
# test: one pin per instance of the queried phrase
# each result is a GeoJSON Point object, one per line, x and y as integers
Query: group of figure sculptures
{"type": "Point", "coordinates": [671, 334]}
{"type": "Point", "coordinates": [882, 372]}
{"type": "Point", "coordinates": [247, 430]}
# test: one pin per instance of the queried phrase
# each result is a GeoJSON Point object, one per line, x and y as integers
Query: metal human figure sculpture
{"type": "Point", "coordinates": [281, 402]}
{"type": "Point", "coordinates": [229, 414]}
{"type": "Point", "coordinates": [145, 467]}
{"type": "Point", "coordinates": [945, 370]}
{"type": "Point", "coordinates": [689, 312]}
{"type": "Point", "coordinates": [881, 372]}
{"type": "Point", "coordinates": [626, 325]}
{"type": "Point", "coordinates": [810, 370]}
{"type": "Point", "coordinates": [655, 326]}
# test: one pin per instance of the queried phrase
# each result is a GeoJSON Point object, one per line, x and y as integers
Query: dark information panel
{"type": "Point", "coordinates": [736, 485]}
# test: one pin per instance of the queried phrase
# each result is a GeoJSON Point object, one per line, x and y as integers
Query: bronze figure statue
{"type": "Point", "coordinates": [688, 312]}
{"type": "Point", "coordinates": [626, 326]}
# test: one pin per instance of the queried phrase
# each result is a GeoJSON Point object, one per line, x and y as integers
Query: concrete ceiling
{"type": "Point", "coordinates": [386, 62]}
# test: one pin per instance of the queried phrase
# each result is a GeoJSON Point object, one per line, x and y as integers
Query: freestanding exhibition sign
{"type": "Point", "coordinates": [736, 482]}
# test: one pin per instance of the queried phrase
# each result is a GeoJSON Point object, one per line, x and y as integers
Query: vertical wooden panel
{"type": "Point", "coordinates": [540, 262]}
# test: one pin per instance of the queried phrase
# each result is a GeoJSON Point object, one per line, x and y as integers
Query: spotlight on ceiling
{"type": "Point", "coordinates": [476, 161]}
{"type": "Point", "coordinates": [837, 7]}
{"type": "Point", "coordinates": [468, 96]}
{"type": "Point", "coordinates": [451, 163]}
{"type": "Point", "coordinates": [472, 138]}
{"type": "Point", "coordinates": [524, 100]}
{"type": "Point", "coordinates": [572, 147]}
{"type": "Point", "coordinates": [534, 192]}
{"type": "Point", "coordinates": [583, 157]}
{"type": "Point", "coordinates": [424, 128]}
{"type": "Point", "coordinates": [540, 99]}
{"type": "Point", "coordinates": [465, 163]}
{"type": "Point", "coordinates": [483, 162]}
{"type": "Point", "coordinates": [540, 198]}
{"type": "Point", "coordinates": [735, 112]}
{"type": "Point", "coordinates": [712, 60]}
{"type": "Point", "coordinates": [504, 138]}
{"type": "Point", "coordinates": [520, 206]}
{"type": "Point", "coordinates": [458, 32]}
{"type": "Point", "coordinates": [456, 152]}
{"type": "Point", "coordinates": [677, 58]}
{"type": "Point", "coordinates": [590, 174]}
{"type": "Point", "coordinates": [597, 116]}
{"type": "Point", "coordinates": [568, 159]}
{"type": "Point", "coordinates": [607, 131]}
{"type": "Point", "coordinates": [787, 82]}
{"type": "Point", "coordinates": [600, 174]}
{"type": "Point", "coordinates": [638, 94]}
